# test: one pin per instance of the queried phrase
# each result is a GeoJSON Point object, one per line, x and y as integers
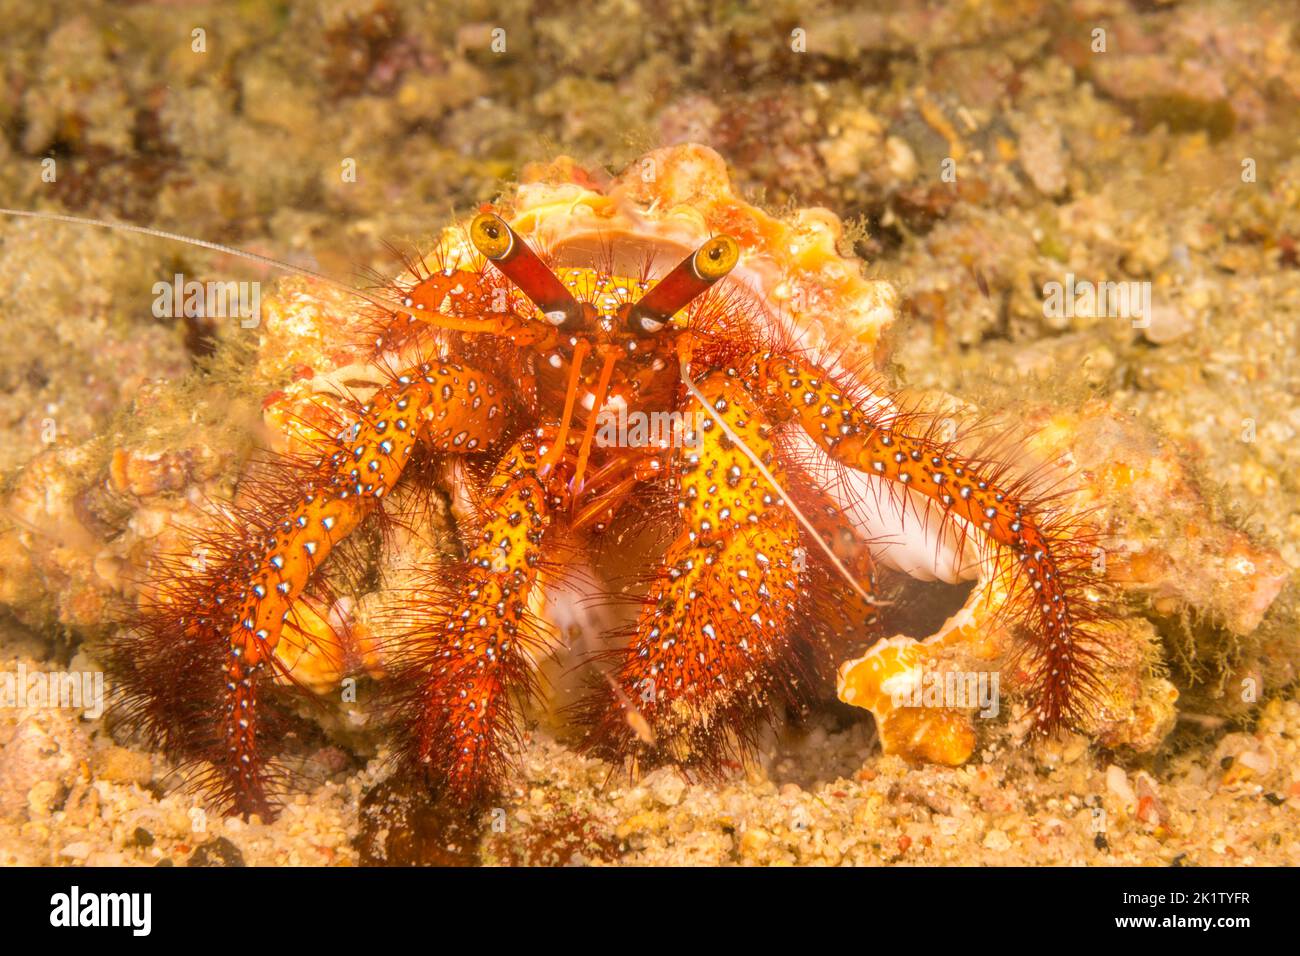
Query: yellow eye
{"type": "Point", "coordinates": [716, 258]}
{"type": "Point", "coordinates": [491, 236]}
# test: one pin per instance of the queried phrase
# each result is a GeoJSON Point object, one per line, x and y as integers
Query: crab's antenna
{"type": "Point", "coordinates": [757, 462]}
{"type": "Point", "coordinates": [203, 244]}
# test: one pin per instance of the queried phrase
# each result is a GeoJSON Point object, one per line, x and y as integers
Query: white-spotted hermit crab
{"type": "Point", "coordinates": [505, 351]}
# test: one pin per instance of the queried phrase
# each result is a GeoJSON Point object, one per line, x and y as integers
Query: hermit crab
{"type": "Point", "coordinates": [522, 355]}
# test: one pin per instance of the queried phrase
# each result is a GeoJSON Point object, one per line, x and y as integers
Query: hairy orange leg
{"type": "Point", "coordinates": [713, 648]}
{"type": "Point", "coordinates": [449, 407]}
{"type": "Point", "coordinates": [461, 667]}
{"type": "Point", "coordinates": [1062, 659]}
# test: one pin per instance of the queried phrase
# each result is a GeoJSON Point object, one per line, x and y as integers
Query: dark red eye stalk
{"type": "Point", "coordinates": [691, 278]}
{"type": "Point", "coordinates": [494, 238]}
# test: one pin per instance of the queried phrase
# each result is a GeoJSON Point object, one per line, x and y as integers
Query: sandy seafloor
{"type": "Point", "coordinates": [1122, 164]}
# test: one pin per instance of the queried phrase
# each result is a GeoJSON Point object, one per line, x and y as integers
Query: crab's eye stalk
{"type": "Point", "coordinates": [689, 280]}
{"type": "Point", "coordinates": [501, 245]}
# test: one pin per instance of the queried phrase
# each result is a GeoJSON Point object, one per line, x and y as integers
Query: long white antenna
{"type": "Point", "coordinates": [371, 297]}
